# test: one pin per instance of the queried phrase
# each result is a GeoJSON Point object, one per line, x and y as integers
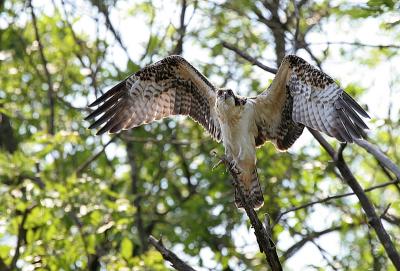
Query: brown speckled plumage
{"type": "Point", "coordinates": [169, 87]}
{"type": "Point", "coordinates": [305, 96]}
{"type": "Point", "coordinates": [299, 96]}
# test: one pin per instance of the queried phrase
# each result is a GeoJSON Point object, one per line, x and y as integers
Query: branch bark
{"type": "Point", "coordinates": [168, 255]}
{"type": "Point", "coordinates": [373, 218]}
{"type": "Point", "coordinates": [263, 232]}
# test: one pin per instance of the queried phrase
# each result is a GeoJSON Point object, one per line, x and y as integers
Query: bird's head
{"type": "Point", "coordinates": [227, 98]}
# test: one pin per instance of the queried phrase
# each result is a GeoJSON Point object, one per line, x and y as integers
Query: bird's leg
{"type": "Point", "coordinates": [229, 162]}
{"type": "Point", "coordinates": [222, 159]}
{"type": "Point", "coordinates": [233, 167]}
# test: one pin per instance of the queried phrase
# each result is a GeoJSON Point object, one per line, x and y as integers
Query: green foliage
{"type": "Point", "coordinates": [76, 204]}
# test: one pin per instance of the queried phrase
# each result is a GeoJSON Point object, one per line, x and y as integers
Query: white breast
{"type": "Point", "coordinates": [238, 131]}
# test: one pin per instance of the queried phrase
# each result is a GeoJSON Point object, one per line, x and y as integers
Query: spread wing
{"type": "Point", "coordinates": [303, 95]}
{"type": "Point", "coordinates": [169, 87]}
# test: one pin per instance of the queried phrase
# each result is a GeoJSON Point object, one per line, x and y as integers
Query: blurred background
{"type": "Point", "coordinates": [70, 200]}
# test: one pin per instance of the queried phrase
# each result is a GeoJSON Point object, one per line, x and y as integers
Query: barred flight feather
{"type": "Point", "coordinates": [169, 87]}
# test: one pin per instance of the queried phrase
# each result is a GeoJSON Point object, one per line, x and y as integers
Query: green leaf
{"type": "Point", "coordinates": [126, 248]}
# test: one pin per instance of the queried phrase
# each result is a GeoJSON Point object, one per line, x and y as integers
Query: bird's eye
{"type": "Point", "coordinates": [230, 92]}
{"type": "Point", "coordinates": [219, 92]}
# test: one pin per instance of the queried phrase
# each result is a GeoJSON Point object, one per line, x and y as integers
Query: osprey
{"type": "Point", "coordinates": [300, 95]}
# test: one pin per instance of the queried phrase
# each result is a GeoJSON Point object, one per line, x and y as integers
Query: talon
{"type": "Point", "coordinates": [217, 164]}
{"type": "Point", "coordinates": [233, 167]}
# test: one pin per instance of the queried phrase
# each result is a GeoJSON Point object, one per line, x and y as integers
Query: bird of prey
{"type": "Point", "coordinates": [300, 95]}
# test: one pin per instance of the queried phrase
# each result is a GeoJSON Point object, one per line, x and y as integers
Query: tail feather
{"type": "Point", "coordinates": [252, 194]}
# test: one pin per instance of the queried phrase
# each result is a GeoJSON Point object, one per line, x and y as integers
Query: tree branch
{"type": "Point", "coordinates": [369, 209]}
{"type": "Point", "coordinates": [7, 138]}
{"type": "Point", "coordinates": [3, 265]}
{"type": "Point", "coordinates": [138, 197]}
{"type": "Point", "coordinates": [309, 237]}
{"type": "Point", "coordinates": [262, 232]}
{"type": "Point", "coordinates": [379, 155]}
{"type": "Point", "coordinates": [181, 31]}
{"type": "Point", "coordinates": [104, 10]}
{"type": "Point", "coordinates": [20, 237]}
{"type": "Point", "coordinates": [360, 44]}
{"type": "Point", "coordinates": [50, 92]}
{"type": "Point", "coordinates": [244, 55]}
{"type": "Point", "coordinates": [94, 157]}
{"type": "Point", "coordinates": [168, 255]}
{"type": "Point", "coordinates": [296, 208]}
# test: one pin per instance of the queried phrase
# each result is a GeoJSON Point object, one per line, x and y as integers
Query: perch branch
{"type": "Point", "coordinates": [263, 233]}
{"type": "Point", "coordinates": [168, 255]}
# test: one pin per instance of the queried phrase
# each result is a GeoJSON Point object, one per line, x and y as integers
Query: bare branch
{"type": "Point", "coordinates": [310, 237]}
{"type": "Point", "coordinates": [360, 44]}
{"type": "Point", "coordinates": [309, 204]}
{"type": "Point", "coordinates": [244, 55]}
{"type": "Point", "coordinates": [104, 10]}
{"type": "Point", "coordinates": [391, 219]}
{"type": "Point", "coordinates": [263, 233]}
{"type": "Point", "coordinates": [379, 155]}
{"type": "Point", "coordinates": [168, 255]}
{"type": "Point", "coordinates": [366, 204]}
{"type": "Point", "coordinates": [181, 31]}
{"type": "Point", "coordinates": [50, 92]}
{"type": "Point", "coordinates": [94, 157]}
{"type": "Point", "coordinates": [297, 31]}
{"type": "Point", "coordinates": [20, 237]}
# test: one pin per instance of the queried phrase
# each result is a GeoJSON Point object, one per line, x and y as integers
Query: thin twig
{"type": "Point", "coordinates": [94, 157]}
{"type": "Point", "coordinates": [310, 237]}
{"type": "Point", "coordinates": [249, 58]}
{"type": "Point", "coordinates": [168, 255]}
{"type": "Point", "coordinates": [309, 204]}
{"type": "Point", "coordinates": [380, 46]}
{"type": "Point", "coordinates": [50, 92]}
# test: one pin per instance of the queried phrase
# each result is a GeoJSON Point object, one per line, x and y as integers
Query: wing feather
{"type": "Point", "coordinates": [318, 102]}
{"type": "Point", "coordinates": [169, 87]}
